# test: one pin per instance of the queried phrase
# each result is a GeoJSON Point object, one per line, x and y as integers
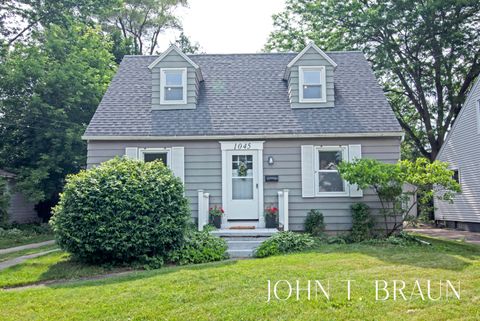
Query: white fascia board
{"type": "Point", "coordinates": [226, 137]}
{"type": "Point", "coordinates": [318, 50]}
{"type": "Point", "coordinates": [166, 52]}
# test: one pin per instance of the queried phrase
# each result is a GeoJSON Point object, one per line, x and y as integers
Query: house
{"type": "Point", "coordinates": [20, 210]}
{"type": "Point", "coordinates": [461, 150]}
{"type": "Point", "coordinates": [247, 131]}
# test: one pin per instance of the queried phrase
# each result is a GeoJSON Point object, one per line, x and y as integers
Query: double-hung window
{"type": "Point", "coordinates": [328, 181]}
{"type": "Point", "coordinates": [173, 86]}
{"type": "Point", "coordinates": [151, 154]}
{"type": "Point", "coordinates": [312, 84]}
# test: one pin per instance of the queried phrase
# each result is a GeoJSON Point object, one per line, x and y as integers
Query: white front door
{"type": "Point", "coordinates": [242, 182]}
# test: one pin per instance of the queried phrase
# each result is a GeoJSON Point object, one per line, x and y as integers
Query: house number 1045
{"type": "Point", "coordinates": [238, 146]}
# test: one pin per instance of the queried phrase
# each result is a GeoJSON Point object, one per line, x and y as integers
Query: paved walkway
{"type": "Point", "coordinates": [6, 264]}
{"type": "Point", "coordinates": [469, 237]}
{"type": "Point", "coordinates": [26, 247]}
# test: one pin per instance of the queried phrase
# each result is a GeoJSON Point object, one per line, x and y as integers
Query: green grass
{"type": "Point", "coordinates": [9, 256]}
{"type": "Point", "coordinates": [237, 290]}
{"type": "Point", "coordinates": [53, 266]}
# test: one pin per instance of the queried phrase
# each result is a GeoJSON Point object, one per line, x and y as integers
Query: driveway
{"type": "Point", "coordinates": [469, 237]}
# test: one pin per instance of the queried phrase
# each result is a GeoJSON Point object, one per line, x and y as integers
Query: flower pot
{"type": "Point", "coordinates": [271, 221]}
{"type": "Point", "coordinates": [216, 221]}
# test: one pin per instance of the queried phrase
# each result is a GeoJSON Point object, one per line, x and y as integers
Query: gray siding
{"type": "Point", "coordinates": [20, 210]}
{"type": "Point", "coordinates": [203, 164]}
{"type": "Point", "coordinates": [462, 151]}
{"type": "Point", "coordinates": [174, 60]}
{"type": "Point", "coordinates": [203, 171]}
{"type": "Point", "coordinates": [311, 58]}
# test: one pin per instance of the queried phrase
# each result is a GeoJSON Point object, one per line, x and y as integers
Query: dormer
{"type": "Point", "coordinates": [310, 78]}
{"type": "Point", "coordinates": [175, 81]}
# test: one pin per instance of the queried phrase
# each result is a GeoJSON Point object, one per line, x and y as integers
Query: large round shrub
{"type": "Point", "coordinates": [121, 212]}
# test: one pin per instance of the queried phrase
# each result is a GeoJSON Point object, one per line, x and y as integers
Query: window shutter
{"type": "Point", "coordinates": [308, 171]}
{"type": "Point", "coordinates": [178, 162]}
{"type": "Point", "coordinates": [131, 152]}
{"type": "Point", "coordinates": [354, 152]}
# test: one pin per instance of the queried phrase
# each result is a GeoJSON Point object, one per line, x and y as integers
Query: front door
{"type": "Point", "coordinates": [242, 185]}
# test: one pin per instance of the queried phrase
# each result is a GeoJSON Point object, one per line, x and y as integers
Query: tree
{"type": "Point", "coordinates": [186, 45]}
{"type": "Point", "coordinates": [388, 181]}
{"type": "Point", "coordinates": [142, 21]}
{"type": "Point", "coordinates": [49, 90]}
{"type": "Point", "coordinates": [18, 18]}
{"type": "Point", "coordinates": [425, 53]}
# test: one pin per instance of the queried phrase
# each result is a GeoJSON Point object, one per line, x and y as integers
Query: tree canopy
{"type": "Point", "coordinates": [49, 90]}
{"type": "Point", "coordinates": [426, 54]}
{"type": "Point", "coordinates": [142, 21]}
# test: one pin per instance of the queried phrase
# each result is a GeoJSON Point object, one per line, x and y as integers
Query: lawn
{"type": "Point", "coordinates": [8, 256]}
{"type": "Point", "coordinates": [237, 290]}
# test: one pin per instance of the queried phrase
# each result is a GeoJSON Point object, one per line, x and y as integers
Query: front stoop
{"type": "Point", "coordinates": [242, 243]}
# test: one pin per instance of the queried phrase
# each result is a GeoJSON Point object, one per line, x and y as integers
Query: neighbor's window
{"type": "Point", "coordinates": [151, 154]}
{"type": "Point", "coordinates": [173, 85]}
{"type": "Point", "coordinates": [456, 175]}
{"type": "Point", "coordinates": [312, 84]}
{"type": "Point", "coordinates": [328, 180]}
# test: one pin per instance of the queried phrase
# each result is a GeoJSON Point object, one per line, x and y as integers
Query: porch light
{"type": "Point", "coordinates": [270, 160]}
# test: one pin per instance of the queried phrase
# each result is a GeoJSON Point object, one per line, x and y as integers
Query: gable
{"type": "Point", "coordinates": [311, 56]}
{"type": "Point", "coordinates": [463, 140]}
{"type": "Point", "coordinates": [174, 59]}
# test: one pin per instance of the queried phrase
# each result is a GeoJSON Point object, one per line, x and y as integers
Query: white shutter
{"type": "Point", "coordinates": [308, 171]}
{"type": "Point", "coordinates": [178, 162]}
{"type": "Point", "coordinates": [354, 152]}
{"type": "Point", "coordinates": [131, 152]}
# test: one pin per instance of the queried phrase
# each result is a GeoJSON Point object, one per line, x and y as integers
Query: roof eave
{"type": "Point", "coordinates": [177, 50]}
{"type": "Point", "coordinates": [301, 53]}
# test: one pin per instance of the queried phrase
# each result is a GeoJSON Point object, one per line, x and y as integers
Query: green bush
{"type": "Point", "coordinates": [124, 211]}
{"type": "Point", "coordinates": [284, 242]}
{"type": "Point", "coordinates": [362, 223]}
{"type": "Point", "coordinates": [314, 223]}
{"type": "Point", "coordinates": [200, 247]}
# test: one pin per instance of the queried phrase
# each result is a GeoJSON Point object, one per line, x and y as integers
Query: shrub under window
{"type": "Point", "coordinates": [123, 211]}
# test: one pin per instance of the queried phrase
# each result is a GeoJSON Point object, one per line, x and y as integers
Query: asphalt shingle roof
{"type": "Point", "coordinates": [243, 94]}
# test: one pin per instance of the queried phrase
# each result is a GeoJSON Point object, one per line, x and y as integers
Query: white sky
{"type": "Point", "coordinates": [227, 26]}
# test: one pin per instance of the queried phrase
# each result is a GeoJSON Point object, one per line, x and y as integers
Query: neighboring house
{"type": "Point", "coordinates": [20, 210]}
{"type": "Point", "coordinates": [462, 150]}
{"type": "Point", "coordinates": [245, 131]}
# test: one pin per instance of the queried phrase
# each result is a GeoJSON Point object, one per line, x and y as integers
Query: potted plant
{"type": "Point", "coordinates": [271, 217]}
{"type": "Point", "coordinates": [216, 214]}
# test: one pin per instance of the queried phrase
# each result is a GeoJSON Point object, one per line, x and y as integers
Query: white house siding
{"type": "Point", "coordinates": [462, 151]}
{"type": "Point", "coordinates": [203, 171]}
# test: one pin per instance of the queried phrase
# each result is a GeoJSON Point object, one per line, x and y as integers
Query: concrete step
{"type": "Point", "coordinates": [244, 245]}
{"type": "Point", "coordinates": [245, 233]}
{"type": "Point", "coordinates": [244, 238]}
{"type": "Point", "coordinates": [240, 253]}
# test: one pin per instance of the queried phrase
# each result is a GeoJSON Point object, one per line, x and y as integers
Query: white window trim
{"type": "Point", "coordinates": [323, 83]}
{"type": "Point", "coordinates": [317, 149]}
{"type": "Point", "coordinates": [168, 151]}
{"type": "Point", "coordinates": [162, 87]}
{"type": "Point", "coordinates": [456, 168]}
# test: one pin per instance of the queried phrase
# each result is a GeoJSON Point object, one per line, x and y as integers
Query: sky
{"type": "Point", "coordinates": [227, 26]}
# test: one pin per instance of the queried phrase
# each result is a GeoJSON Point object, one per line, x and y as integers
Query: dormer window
{"type": "Point", "coordinates": [173, 86]}
{"type": "Point", "coordinates": [312, 84]}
